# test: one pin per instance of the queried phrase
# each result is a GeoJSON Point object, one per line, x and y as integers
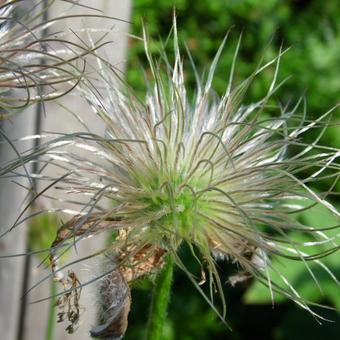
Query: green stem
{"type": "Point", "coordinates": [160, 301]}
{"type": "Point", "coordinates": [51, 313]}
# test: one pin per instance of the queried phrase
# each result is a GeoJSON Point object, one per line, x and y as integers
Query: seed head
{"type": "Point", "coordinates": [225, 177]}
{"type": "Point", "coordinates": [35, 53]}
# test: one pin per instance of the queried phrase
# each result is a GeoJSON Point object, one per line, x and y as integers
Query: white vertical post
{"type": "Point", "coordinates": [11, 200]}
{"type": "Point", "coordinates": [59, 121]}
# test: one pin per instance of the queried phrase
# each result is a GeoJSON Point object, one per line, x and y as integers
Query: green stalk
{"type": "Point", "coordinates": [52, 312]}
{"type": "Point", "coordinates": [160, 301]}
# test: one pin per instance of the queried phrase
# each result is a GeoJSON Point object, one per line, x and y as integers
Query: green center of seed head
{"type": "Point", "coordinates": [176, 207]}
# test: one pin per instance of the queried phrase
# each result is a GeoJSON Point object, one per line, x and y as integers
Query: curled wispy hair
{"type": "Point", "coordinates": [34, 52]}
{"type": "Point", "coordinates": [225, 177]}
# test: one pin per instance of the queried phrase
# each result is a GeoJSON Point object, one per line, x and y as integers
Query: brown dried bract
{"type": "Point", "coordinates": [114, 291]}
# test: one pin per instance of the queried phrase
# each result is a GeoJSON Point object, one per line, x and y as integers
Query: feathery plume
{"type": "Point", "coordinates": [211, 172]}
{"type": "Point", "coordinates": [35, 53]}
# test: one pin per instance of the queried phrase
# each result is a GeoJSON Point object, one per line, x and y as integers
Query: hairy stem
{"type": "Point", "coordinates": [160, 301]}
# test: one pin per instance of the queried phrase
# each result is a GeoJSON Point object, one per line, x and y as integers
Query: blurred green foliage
{"type": "Point", "coordinates": [309, 27]}
{"type": "Point", "coordinates": [311, 31]}
{"type": "Point", "coordinates": [42, 232]}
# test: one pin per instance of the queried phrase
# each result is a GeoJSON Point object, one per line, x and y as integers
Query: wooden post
{"type": "Point", "coordinates": [11, 203]}
{"type": "Point", "coordinates": [11, 195]}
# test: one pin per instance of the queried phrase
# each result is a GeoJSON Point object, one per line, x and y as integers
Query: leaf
{"type": "Point", "coordinates": [297, 273]}
{"type": "Point", "coordinates": [42, 231]}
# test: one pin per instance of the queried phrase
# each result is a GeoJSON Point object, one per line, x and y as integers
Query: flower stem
{"type": "Point", "coordinates": [160, 301]}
